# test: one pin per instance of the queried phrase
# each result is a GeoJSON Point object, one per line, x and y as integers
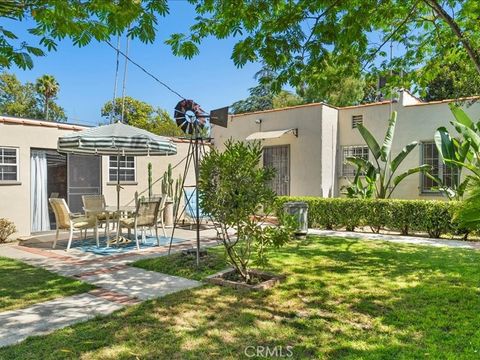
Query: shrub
{"type": "Point", "coordinates": [433, 217]}
{"type": "Point", "coordinates": [7, 228]}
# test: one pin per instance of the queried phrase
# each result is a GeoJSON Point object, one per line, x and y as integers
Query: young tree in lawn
{"type": "Point", "coordinates": [233, 190]}
{"type": "Point", "coordinates": [381, 172]}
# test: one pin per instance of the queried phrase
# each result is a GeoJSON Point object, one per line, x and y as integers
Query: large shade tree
{"type": "Point", "coordinates": [292, 37]}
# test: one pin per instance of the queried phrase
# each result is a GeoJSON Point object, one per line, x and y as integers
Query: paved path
{"type": "Point", "coordinates": [118, 285]}
{"type": "Point", "coordinates": [474, 245]}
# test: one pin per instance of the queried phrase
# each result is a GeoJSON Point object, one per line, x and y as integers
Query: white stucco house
{"type": "Point", "coordinates": [307, 144]}
{"type": "Point", "coordinates": [23, 142]}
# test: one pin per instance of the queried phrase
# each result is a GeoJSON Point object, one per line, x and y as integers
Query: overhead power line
{"type": "Point", "coordinates": [144, 70]}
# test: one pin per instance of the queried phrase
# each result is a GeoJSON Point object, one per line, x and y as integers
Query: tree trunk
{"type": "Point", "coordinates": [472, 53]}
{"type": "Point", "coordinates": [45, 110]}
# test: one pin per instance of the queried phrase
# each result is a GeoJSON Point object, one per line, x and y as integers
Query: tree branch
{"type": "Point", "coordinates": [397, 29]}
{"type": "Point", "coordinates": [474, 56]}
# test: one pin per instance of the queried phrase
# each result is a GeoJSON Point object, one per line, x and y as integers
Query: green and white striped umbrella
{"type": "Point", "coordinates": [116, 139]}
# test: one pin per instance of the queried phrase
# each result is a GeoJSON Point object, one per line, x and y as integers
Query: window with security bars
{"type": "Point", "coordinates": [448, 174]}
{"type": "Point", "coordinates": [357, 120]}
{"type": "Point", "coordinates": [127, 168]}
{"type": "Point", "coordinates": [8, 164]}
{"type": "Point", "coordinates": [352, 151]}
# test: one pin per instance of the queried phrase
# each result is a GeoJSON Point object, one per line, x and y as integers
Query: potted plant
{"type": "Point", "coordinates": [233, 191]}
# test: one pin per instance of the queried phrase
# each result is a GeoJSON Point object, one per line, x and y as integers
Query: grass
{"type": "Point", "coordinates": [186, 265]}
{"type": "Point", "coordinates": [349, 299]}
{"type": "Point", "coordinates": [22, 285]}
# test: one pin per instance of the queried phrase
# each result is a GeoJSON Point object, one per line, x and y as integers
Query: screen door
{"type": "Point", "coordinates": [84, 178]}
{"type": "Point", "coordinates": [278, 157]}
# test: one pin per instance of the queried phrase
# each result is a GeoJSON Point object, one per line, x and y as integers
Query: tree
{"type": "Point", "coordinates": [81, 21]}
{"type": "Point", "coordinates": [264, 97]}
{"type": "Point", "coordinates": [232, 188]}
{"type": "Point", "coordinates": [142, 115]}
{"type": "Point", "coordinates": [25, 100]}
{"type": "Point", "coordinates": [381, 172]}
{"type": "Point", "coordinates": [449, 80]}
{"type": "Point", "coordinates": [293, 38]}
{"type": "Point", "coordinates": [47, 87]}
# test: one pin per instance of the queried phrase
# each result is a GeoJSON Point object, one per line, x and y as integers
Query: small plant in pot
{"type": "Point", "coordinates": [233, 191]}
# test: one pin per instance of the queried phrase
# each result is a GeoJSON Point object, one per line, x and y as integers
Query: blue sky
{"type": "Point", "coordinates": [86, 75]}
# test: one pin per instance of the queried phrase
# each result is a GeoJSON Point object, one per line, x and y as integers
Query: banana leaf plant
{"type": "Point", "coordinates": [357, 188]}
{"type": "Point", "coordinates": [459, 153]}
{"type": "Point", "coordinates": [382, 170]}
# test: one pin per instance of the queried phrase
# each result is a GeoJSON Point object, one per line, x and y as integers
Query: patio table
{"type": "Point", "coordinates": [108, 211]}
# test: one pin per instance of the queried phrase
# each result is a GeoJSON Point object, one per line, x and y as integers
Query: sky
{"type": "Point", "coordinates": [86, 75]}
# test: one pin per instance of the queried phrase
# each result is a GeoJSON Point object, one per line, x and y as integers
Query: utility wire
{"type": "Point", "coordinates": [125, 79]}
{"type": "Point", "coordinates": [116, 79]}
{"type": "Point", "coordinates": [144, 70]}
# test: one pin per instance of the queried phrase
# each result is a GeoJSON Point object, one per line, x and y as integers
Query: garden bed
{"type": "Point", "coordinates": [261, 280]}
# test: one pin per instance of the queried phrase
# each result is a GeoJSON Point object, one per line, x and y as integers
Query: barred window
{"type": "Point", "coordinates": [352, 151]}
{"type": "Point", "coordinates": [8, 164]}
{"type": "Point", "coordinates": [431, 156]}
{"type": "Point", "coordinates": [127, 168]}
{"type": "Point", "coordinates": [357, 120]}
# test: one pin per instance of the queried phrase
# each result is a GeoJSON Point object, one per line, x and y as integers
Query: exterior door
{"type": "Point", "coordinates": [278, 157]}
{"type": "Point", "coordinates": [84, 178]}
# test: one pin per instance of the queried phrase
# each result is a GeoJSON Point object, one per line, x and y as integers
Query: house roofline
{"type": "Point", "coordinates": [446, 101]}
{"type": "Point", "coordinates": [282, 109]}
{"type": "Point", "coordinates": [62, 126]}
{"type": "Point", "coordinates": [42, 123]}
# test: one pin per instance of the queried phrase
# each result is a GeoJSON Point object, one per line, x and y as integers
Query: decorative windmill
{"type": "Point", "coordinates": [192, 119]}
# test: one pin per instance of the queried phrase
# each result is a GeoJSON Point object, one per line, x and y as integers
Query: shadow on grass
{"type": "Point", "coordinates": [342, 299]}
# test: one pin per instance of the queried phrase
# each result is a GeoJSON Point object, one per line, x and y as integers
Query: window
{"type": "Point", "coordinates": [8, 164]}
{"type": "Point", "coordinates": [349, 151]}
{"type": "Point", "coordinates": [357, 120]}
{"type": "Point", "coordinates": [430, 156]}
{"type": "Point", "coordinates": [127, 168]}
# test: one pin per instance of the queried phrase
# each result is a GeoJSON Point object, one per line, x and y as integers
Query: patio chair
{"type": "Point", "coordinates": [96, 204]}
{"type": "Point", "coordinates": [145, 216]}
{"type": "Point", "coordinates": [66, 220]}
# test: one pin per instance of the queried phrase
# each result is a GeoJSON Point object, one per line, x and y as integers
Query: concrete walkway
{"type": "Point", "coordinates": [117, 284]}
{"type": "Point", "coordinates": [473, 245]}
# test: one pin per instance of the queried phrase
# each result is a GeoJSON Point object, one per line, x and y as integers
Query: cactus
{"type": "Point", "coordinates": [178, 193]}
{"type": "Point", "coordinates": [170, 181]}
{"type": "Point", "coordinates": [167, 182]}
{"type": "Point", "coordinates": [150, 192]}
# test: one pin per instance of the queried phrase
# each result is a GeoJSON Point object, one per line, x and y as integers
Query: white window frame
{"type": "Point", "coordinates": [440, 164]}
{"type": "Point", "coordinates": [357, 119]}
{"type": "Point", "coordinates": [17, 164]}
{"type": "Point", "coordinates": [114, 158]}
{"type": "Point", "coordinates": [350, 149]}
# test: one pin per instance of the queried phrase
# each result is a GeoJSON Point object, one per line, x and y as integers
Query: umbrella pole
{"type": "Point", "coordinates": [118, 198]}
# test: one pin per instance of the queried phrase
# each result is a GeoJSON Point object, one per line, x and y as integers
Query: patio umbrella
{"type": "Point", "coordinates": [116, 139]}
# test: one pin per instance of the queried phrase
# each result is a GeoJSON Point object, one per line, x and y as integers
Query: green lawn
{"type": "Point", "coordinates": [342, 299]}
{"type": "Point", "coordinates": [22, 285]}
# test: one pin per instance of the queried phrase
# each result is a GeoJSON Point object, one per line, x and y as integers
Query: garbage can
{"type": "Point", "coordinates": [299, 209]}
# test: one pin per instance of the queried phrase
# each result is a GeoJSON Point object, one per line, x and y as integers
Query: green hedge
{"type": "Point", "coordinates": [404, 216]}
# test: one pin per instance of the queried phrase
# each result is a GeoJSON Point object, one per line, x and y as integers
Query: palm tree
{"type": "Point", "coordinates": [47, 86]}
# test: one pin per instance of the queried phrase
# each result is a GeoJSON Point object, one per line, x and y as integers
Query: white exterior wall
{"type": "Point", "coordinates": [15, 197]}
{"type": "Point", "coordinates": [316, 155]}
{"type": "Point", "coordinates": [415, 122]}
{"type": "Point", "coordinates": [307, 175]}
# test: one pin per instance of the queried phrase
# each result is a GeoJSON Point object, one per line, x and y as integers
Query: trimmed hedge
{"type": "Point", "coordinates": [404, 216]}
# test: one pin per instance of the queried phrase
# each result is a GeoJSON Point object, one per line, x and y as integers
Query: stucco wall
{"type": "Point", "coordinates": [416, 122]}
{"type": "Point", "coordinates": [305, 150]}
{"type": "Point", "coordinates": [15, 198]}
